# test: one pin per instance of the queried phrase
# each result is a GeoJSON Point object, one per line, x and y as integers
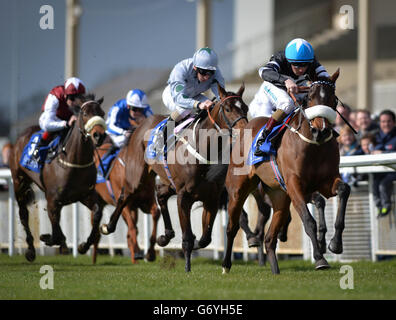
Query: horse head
{"type": "Point", "coordinates": [231, 108]}
{"type": "Point", "coordinates": [91, 116]}
{"type": "Point", "coordinates": [321, 106]}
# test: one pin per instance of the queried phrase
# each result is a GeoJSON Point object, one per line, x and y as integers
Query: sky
{"type": "Point", "coordinates": [115, 37]}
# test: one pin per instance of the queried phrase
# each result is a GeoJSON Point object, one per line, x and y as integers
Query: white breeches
{"type": "Point", "coordinates": [269, 98]}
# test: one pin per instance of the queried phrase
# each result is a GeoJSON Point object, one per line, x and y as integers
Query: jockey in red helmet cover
{"type": "Point", "coordinates": [57, 109]}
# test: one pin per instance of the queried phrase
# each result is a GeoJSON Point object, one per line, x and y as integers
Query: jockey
{"type": "Point", "coordinates": [126, 114]}
{"type": "Point", "coordinates": [57, 110]}
{"type": "Point", "coordinates": [282, 74]}
{"type": "Point", "coordinates": [188, 80]}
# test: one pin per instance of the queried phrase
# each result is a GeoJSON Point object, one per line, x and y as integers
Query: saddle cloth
{"type": "Point", "coordinates": [267, 147]}
{"type": "Point", "coordinates": [156, 146]}
{"type": "Point", "coordinates": [28, 161]}
{"type": "Point", "coordinates": [103, 169]}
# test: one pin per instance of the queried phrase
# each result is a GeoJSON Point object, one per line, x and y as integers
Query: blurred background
{"type": "Point", "coordinates": [114, 46]}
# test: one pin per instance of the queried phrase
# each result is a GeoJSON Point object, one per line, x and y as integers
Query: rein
{"type": "Point", "coordinates": [317, 111]}
{"type": "Point", "coordinates": [230, 125]}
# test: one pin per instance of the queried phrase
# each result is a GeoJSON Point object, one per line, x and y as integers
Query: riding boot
{"type": "Point", "coordinates": [275, 119]}
{"type": "Point", "coordinates": [44, 141]}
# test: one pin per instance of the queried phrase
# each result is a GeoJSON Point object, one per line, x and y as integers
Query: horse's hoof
{"type": "Point", "coordinates": [226, 270]}
{"type": "Point", "coordinates": [321, 264]}
{"type": "Point", "coordinates": [150, 256]}
{"type": "Point", "coordinates": [82, 248]}
{"type": "Point", "coordinates": [282, 237]}
{"type": "Point", "coordinates": [64, 250]}
{"type": "Point", "coordinates": [334, 247]}
{"type": "Point", "coordinates": [104, 230]}
{"type": "Point", "coordinates": [163, 241]}
{"type": "Point", "coordinates": [46, 238]}
{"type": "Point", "coordinates": [203, 243]}
{"type": "Point", "coordinates": [253, 242]}
{"type": "Point", "coordinates": [30, 255]}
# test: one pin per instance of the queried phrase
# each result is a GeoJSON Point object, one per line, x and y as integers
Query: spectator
{"type": "Point", "coordinates": [4, 163]}
{"type": "Point", "coordinates": [5, 154]}
{"type": "Point", "coordinates": [364, 123]}
{"type": "Point", "coordinates": [345, 111]}
{"type": "Point", "coordinates": [349, 146]}
{"type": "Point", "coordinates": [385, 143]}
{"type": "Point", "coordinates": [367, 143]}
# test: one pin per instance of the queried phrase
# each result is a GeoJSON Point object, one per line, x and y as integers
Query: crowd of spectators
{"type": "Point", "coordinates": [374, 136]}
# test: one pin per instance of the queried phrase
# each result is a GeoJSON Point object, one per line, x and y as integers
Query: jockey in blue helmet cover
{"type": "Point", "coordinates": [285, 71]}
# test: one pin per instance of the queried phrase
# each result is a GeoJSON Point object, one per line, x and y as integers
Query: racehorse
{"type": "Point", "coordinates": [69, 178]}
{"type": "Point", "coordinates": [308, 160]}
{"type": "Point", "coordinates": [109, 193]}
{"type": "Point", "coordinates": [192, 181]}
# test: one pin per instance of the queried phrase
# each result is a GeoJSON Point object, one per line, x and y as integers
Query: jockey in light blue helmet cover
{"type": "Point", "coordinates": [284, 72]}
{"type": "Point", "coordinates": [126, 114]}
{"type": "Point", "coordinates": [299, 50]}
{"type": "Point", "coordinates": [187, 82]}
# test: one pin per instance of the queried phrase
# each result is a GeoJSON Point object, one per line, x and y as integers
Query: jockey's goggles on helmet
{"type": "Point", "coordinates": [72, 97]}
{"type": "Point", "coordinates": [300, 64]}
{"type": "Point", "coordinates": [135, 109]}
{"type": "Point", "coordinates": [205, 72]}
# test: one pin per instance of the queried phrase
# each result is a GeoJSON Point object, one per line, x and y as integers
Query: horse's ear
{"type": "Point", "coordinates": [221, 90]}
{"type": "Point", "coordinates": [100, 101]}
{"type": "Point", "coordinates": [241, 89]}
{"type": "Point", "coordinates": [334, 77]}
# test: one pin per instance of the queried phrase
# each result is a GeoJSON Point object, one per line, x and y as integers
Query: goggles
{"type": "Point", "coordinates": [205, 72]}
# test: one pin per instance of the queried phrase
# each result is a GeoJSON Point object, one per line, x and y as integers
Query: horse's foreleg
{"type": "Point", "coordinates": [184, 204]}
{"type": "Point", "coordinates": [121, 203]}
{"type": "Point", "coordinates": [94, 203]}
{"type": "Point", "coordinates": [343, 190]}
{"type": "Point", "coordinates": [155, 214]}
{"type": "Point", "coordinates": [309, 222]}
{"type": "Point", "coordinates": [320, 204]}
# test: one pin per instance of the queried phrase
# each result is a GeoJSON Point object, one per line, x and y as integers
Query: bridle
{"type": "Point", "coordinates": [230, 124]}
{"type": "Point", "coordinates": [322, 111]}
{"type": "Point", "coordinates": [84, 130]}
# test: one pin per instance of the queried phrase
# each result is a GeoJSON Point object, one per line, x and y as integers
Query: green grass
{"type": "Point", "coordinates": [117, 278]}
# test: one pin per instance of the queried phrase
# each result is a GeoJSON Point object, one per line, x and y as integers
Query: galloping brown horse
{"type": "Point", "coordinates": [109, 193]}
{"type": "Point", "coordinates": [308, 159]}
{"type": "Point", "coordinates": [69, 178]}
{"type": "Point", "coordinates": [192, 181]}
